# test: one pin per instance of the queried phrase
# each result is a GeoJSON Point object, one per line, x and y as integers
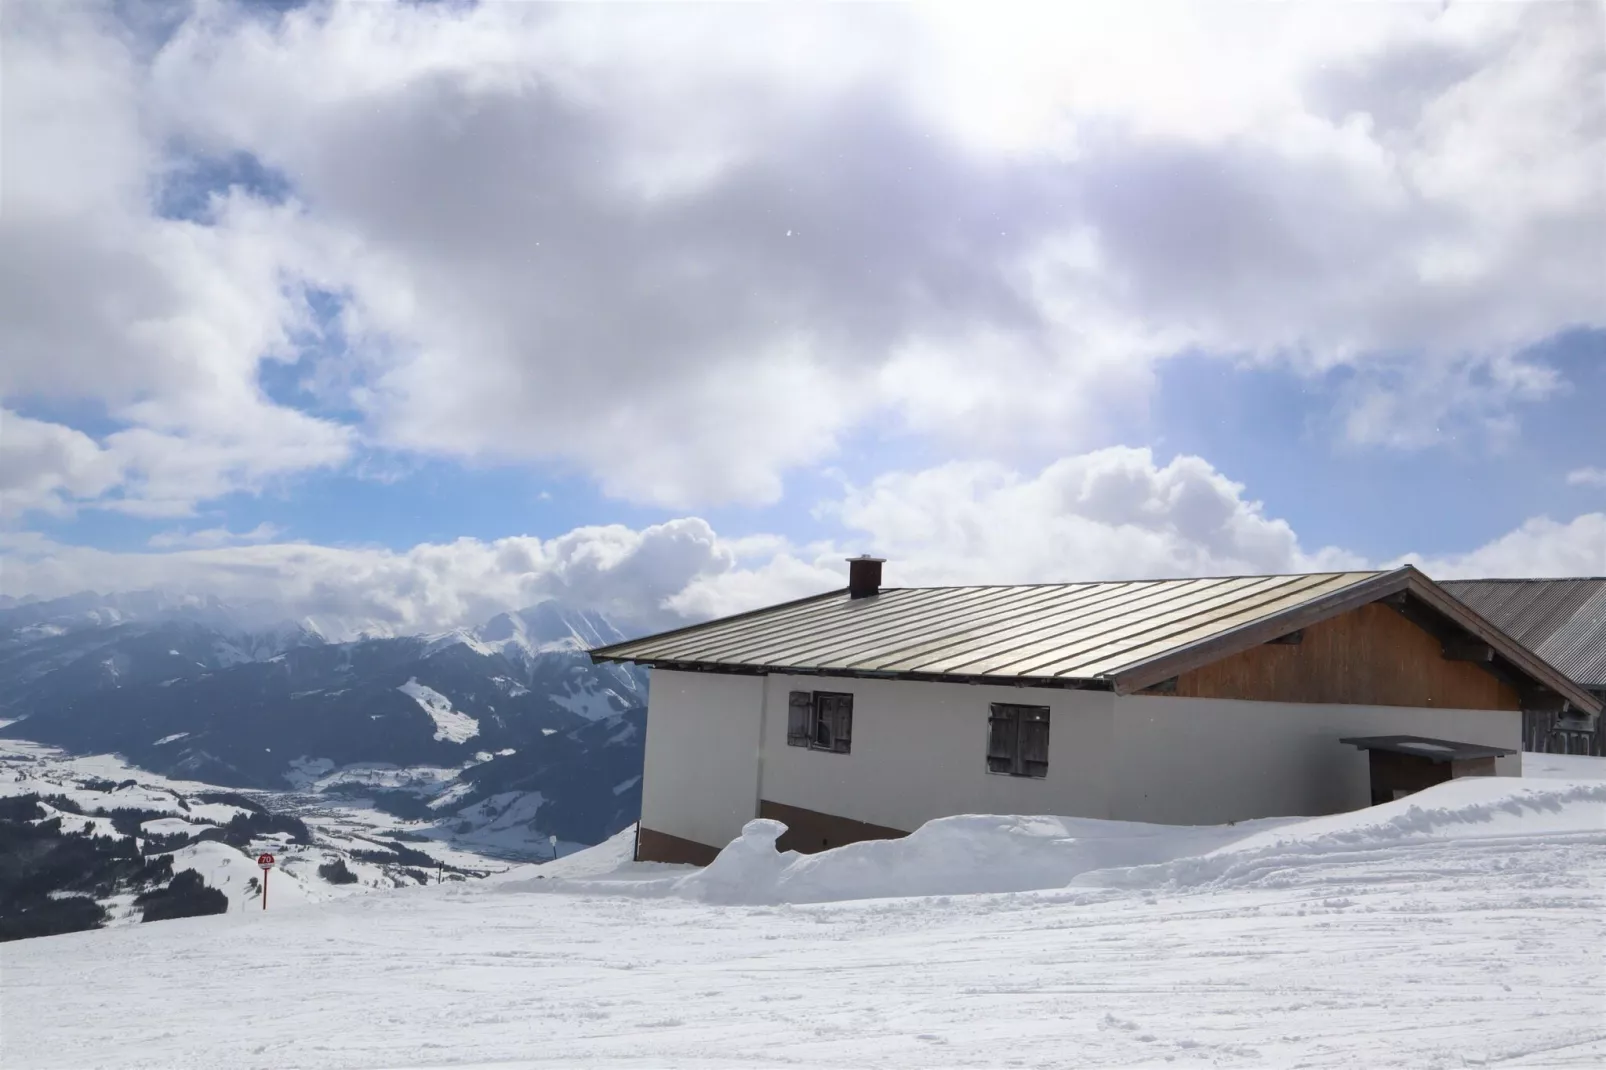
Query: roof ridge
{"type": "Point", "coordinates": [1526, 579]}
{"type": "Point", "coordinates": [1138, 579]}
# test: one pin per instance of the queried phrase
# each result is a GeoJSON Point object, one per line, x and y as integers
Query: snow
{"type": "Point", "coordinates": [167, 826]}
{"type": "Point", "coordinates": [171, 739]}
{"type": "Point", "coordinates": [235, 873]}
{"type": "Point", "coordinates": [610, 860]}
{"type": "Point", "coordinates": [1563, 766]}
{"type": "Point", "coordinates": [1461, 926]}
{"type": "Point", "coordinates": [449, 724]}
{"type": "Point", "coordinates": [510, 685]}
{"type": "Point", "coordinates": [625, 785]}
{"type": "Point", "coordinates": [459, 637]}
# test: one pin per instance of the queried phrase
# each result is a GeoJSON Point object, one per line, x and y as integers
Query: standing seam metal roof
{"type": "Point", "coordinates": [1122, 634]}
{"type": "Point", "coordinates": [1073, 631]}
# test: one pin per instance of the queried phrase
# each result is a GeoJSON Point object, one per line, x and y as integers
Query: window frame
{"type": "Point", "coordinates": [1013, 725]}
{"type": "Point", "coordinates": [820, 721]}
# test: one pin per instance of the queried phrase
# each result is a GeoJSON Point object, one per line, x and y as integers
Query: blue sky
{"type": "Point", "coordinates": [667, 309]}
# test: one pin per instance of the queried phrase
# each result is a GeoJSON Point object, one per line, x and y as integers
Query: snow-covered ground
{"type": "Point", "coordinates": [349, 834]}
{"type": "Point", "coordinates": [1463, 926]}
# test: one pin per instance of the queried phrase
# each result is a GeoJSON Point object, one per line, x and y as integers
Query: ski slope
{"type": "Point", "coordinates": [1463, 926]}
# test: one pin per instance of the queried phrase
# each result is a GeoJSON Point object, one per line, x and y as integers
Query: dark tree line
{"type": "Point", "coordinates": [51, 881]}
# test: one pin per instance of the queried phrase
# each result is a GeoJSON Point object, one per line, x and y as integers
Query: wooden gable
{"type": "Point", "coordinates": [1368, 656]}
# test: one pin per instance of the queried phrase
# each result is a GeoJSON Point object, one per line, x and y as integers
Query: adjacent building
{"type": "Point", "coordinates": [864, 713]}
{"type": "Point", "coordinates": [1564, 622]}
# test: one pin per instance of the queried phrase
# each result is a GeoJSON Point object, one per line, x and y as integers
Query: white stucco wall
{"type": "Point", "coordinates": [920, 752]}
{"type": "Point", "coordinates": [701, 777]}
{"type": "Point", "coordinates": [716, 745]}
{"type": "Point", "coordinates": [1184, 761]}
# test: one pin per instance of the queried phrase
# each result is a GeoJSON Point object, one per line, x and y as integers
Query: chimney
{"type": "Point", "coordinates": [864, 576]}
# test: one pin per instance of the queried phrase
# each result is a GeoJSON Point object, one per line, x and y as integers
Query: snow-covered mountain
{"type": "Point", "coordinates": [494, 715]}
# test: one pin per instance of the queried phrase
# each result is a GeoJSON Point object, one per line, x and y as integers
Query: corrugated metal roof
{"type": "Point", "coordinates": [1052, 632]}
{"type": "Point", "coordinates": [1563, 620]}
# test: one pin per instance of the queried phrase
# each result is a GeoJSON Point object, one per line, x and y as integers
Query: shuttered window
{"type": "Point", "coordinates": [1017, 740]}
{"type": "Point", "coordinates": [821, 720]}
{"type": "Point", "coordinates": [800, 719]}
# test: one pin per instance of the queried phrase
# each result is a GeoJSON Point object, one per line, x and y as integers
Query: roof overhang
{"type": "Point", "coordinates": [1416, 596]}
{"type": "Point", "coordinates": [1434, 750]}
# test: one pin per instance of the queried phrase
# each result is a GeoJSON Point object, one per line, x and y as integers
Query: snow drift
{"type": "Point", "coordinates": [977, 854]}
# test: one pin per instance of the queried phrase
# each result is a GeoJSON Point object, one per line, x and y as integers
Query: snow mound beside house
{"type": "Point", "coordinates": [1502, 812]}
{"type": "Point", "coordinates": [981, 854]}
{"type": "Point", "coordinates": [969, 854]}
{"type": "Point", "coordinates": [1563, 766]}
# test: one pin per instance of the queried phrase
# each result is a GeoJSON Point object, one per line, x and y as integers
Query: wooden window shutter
{"type": "Point", "coordinates": [1033, 741]}
{"type": "Point", "coordinates": [799, 715]}
{"type": "Point", "coordinates": [1001, 738]}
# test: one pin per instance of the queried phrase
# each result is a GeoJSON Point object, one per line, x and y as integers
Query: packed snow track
{"type": "Point", "coordinates": [1465, 926]}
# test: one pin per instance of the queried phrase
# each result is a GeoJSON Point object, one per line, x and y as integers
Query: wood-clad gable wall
{"type": "Point", "coordinates": [1371, 656]}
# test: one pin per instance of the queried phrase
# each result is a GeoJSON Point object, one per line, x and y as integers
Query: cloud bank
{"type": "Point", "coordinates": [685, 252]}
{"type": "Point", "coordinates": [1114, 513]}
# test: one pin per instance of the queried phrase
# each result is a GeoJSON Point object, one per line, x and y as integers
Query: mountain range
{"type": "Point", "coordinates": [502, 735]}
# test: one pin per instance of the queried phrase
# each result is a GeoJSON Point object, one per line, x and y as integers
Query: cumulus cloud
{"type": "Point", "coordinates": [1108, 514]}
{"type": "Point", "coordinates": [686, 250]}
{"type": "Point", "coordinates": [630, 575]}
{"type": "Point", "coordinates": [160, 325]}
{"type": "Point", "coordinates": [47, 466]}
{"type": "Point", "coordinates": [1540, 547]}
{"type": "Point", "coordinates": [1111, 513]}
{"type": "Point", "coordinates": [1114, 513]}
{"type": "Point", "coordinates": [1587, 477]}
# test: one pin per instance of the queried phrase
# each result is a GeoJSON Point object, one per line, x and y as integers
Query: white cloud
{"type": "Point", "coordinates": [48, 466]}
{"type": "Point", "coordinates": [690, 249]}
{"type": "Point", "coordinates": [630, 575]}
{"type": "Point", "coordinates": [686, 250]}
{"type": "Point", "coordinates": [1113, 513]}
{"type": "Point", "coordinates": [1587, 477]}
{"type": "Point", "coordinates": [160, 324]}
{"type": "Point", "coordinates": [1540, 547]}
{"type": "Point", "coordinates": [1106, 514]}
{"type": "Point", "coordinates": [211, 537]}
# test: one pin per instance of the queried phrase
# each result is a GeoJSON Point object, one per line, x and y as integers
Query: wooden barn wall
{"type": "Point", "coordinates": [1371, 656]}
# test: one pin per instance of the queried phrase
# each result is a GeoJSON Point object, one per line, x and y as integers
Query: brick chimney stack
{"type": "Point", "coordinates": [864, 576]}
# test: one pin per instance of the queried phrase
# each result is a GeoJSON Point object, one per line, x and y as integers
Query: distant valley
{"type": "Point", "coordinates": [475, 748]}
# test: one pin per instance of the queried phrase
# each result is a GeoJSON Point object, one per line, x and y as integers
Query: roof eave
{"type": "Point", "coordinates": [612, 651]}
{"type": "Point", "coordinates": [1077, 683]}
{"type": "Point", "coordinates": [1406, 579]}
{"type": "Point", "coordinates": [1521, 657]}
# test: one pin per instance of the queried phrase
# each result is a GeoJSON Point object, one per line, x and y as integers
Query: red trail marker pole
{"type": "Point", "coordinates": [266, 862]}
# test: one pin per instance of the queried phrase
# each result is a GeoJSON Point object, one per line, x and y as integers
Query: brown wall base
{"type": "Point", "coordinates": [653, 846]}
{"type": "Point", "coordinates": [808, 831]}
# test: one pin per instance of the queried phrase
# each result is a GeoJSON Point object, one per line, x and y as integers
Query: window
{"type": "Point", "coordinates": [820, 720]}
{"type": "Point", "coordinates": [1017, 740]}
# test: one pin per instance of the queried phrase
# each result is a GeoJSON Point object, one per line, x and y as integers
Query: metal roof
{"type": "Point", "coordinates": [1125, 635]}
{"type": "Point", "coordinates": [1438, 750]}
{"type": "Point", "coordinates": [1563, 621]}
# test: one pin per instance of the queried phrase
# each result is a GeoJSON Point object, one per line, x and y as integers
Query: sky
{"type": "Point", "coordinates": [398, 315]}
